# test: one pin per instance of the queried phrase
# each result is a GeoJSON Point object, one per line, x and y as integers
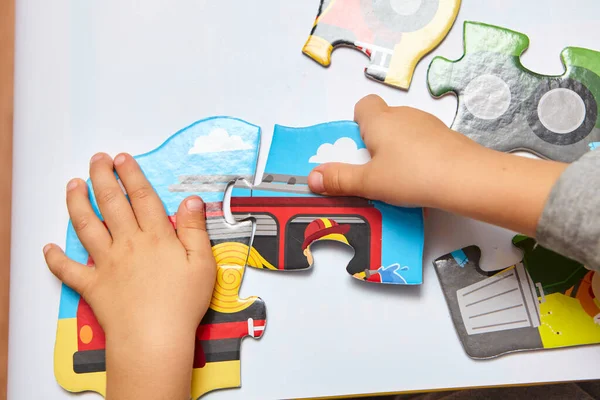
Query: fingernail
{"type": "Point", "coordinates": [96, 157]}
{"type": "Point", "coordinates": [194, 205]}
{"type": "Point", "coordinates": [120, 159]}
{"type": "Point", "coordinates": [46, 248]}
{"type": "Point", "coordinates": [73, 183]}
{"type": "Point", "coordinates": [315, 182]}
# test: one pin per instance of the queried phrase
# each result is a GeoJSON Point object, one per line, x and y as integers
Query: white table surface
{"type": "Point", "coordinates": [122, 75]}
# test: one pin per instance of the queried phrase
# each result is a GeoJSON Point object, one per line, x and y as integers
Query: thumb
{"type": "Point", "coordinates": [73, 274]}
{"type": "Point", "coordinates": [191, 227]}
{"type": "Point", "coordinates": [337, 179]}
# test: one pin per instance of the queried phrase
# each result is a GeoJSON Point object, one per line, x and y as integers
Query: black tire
{"type": "Point", "coordinates": [561, 139]}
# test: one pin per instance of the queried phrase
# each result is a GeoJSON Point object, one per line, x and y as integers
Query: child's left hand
{"type": "Point", "coordinates": [150, 286]}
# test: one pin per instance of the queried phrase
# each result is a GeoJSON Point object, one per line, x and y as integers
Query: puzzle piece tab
{"type": "Point", "coordinates": [545, 301]}
{"type": "Point", "coordinates": [224, 149]}
{"type": "Point", "coordinates": [395, 35]}
{"type": "Point", "coordinates": [387, 241]}
{"type": "Point", "coordinates": [506, 107]}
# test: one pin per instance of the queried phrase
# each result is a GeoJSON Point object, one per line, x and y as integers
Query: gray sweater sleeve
{"type": "Point", "coordinates": [570, 222]}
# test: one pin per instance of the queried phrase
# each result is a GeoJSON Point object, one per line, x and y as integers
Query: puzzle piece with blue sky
{"type": "Point", "coordinates": [205, 159]}
{"type": "Point", "coordinates": [387, 241]}
{"type": "Point", "coordinates": [221, 150]}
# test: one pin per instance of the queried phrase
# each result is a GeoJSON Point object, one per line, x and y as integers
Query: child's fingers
{"type": "Point", "coordinates": [91, 231]}
{"type": "Point", "coordinates": [149, 210]}
{"type": "Point", "coordinates": [365, 113]}
{"type": "Point", "coordinates": [191, 227]}
{"type": "Point", "coordinates": [73, 274]}
{"type": "Point", "coordinates": [112, 202]}
{"type": "Point", "coordinates": [336, 179]}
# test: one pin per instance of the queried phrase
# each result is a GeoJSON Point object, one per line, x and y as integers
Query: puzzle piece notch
{"type": "Point", "coordinates": [542, 302]}
{"type": "Point", "coordinates": [395, 36]}
{"type": "Point", "coordinates": [504, 106]}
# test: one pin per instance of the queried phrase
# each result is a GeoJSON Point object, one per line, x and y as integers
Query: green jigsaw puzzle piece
{"type": "Point", "coordinates": [505, 106]}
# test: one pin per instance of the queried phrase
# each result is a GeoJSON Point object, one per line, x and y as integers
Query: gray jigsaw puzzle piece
{"type": "Point", "coordinates": [493, 313]}
{"type": "Point", "coordinates": [504, 106]}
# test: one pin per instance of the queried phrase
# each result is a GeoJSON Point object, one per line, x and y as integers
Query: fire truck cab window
{"type": "Point", "coordinates": [266, 237]}
{"type": "Point", "coordinates": [360, 232]}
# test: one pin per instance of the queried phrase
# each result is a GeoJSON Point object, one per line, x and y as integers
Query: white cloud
{"type": "Point", "coordinates": [217, 141]}
{"type": "Point", "coordinates": [344, 150]}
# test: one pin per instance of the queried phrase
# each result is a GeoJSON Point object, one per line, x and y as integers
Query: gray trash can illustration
{"type": "Point", "coordinates": [507, 300]}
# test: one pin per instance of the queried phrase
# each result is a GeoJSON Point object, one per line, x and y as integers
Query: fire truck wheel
{"type": "Point", "coordinates": [561, 111]}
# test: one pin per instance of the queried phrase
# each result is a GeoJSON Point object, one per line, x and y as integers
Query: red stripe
{"type": "Point", "coordinates": [227, 330]}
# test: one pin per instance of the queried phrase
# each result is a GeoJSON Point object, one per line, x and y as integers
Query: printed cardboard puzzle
{"type": "Point", "coordinates": [546, 301]}
{"type": "Point", "coordinates": [504, 106]}
{"type": "Point", "coordinates": [287, 220]}
{"type": "Point", "coordinates": [394, 34]}
{"type": "Point", "coordinates": [79, 359]}
{"type": "Point", "coordinates": [387, 241]}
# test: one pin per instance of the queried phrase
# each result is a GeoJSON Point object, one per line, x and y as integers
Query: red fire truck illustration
{"type": "Point", "coordinates": [285, 227]}
{"type": "Point", "coordinates": [281, 225]}
{"type": "Point", "coordinates": [228, 320]}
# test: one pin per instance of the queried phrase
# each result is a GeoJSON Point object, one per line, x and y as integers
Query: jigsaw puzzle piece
{"type": "Point", "coordinates": [201, 159]}
{"type": "Point", "coordinates": [387, 241]}
{"type": "Point", "coordinates": [506, 107]}
{"type": "Point", "coordinates": [554, 272]}
{"type": "Point", "coordinates": [395, 35]}
{"type": "Point", "coordinates": [228, 320]}
{"type": "Point", "coordinates": [545, 301]}
{"type": "Point", "coordinates": [493, 314]}
{"type": "Point", "coordinates": [570, 296]}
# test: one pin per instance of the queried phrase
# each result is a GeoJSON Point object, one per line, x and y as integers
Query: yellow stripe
{"type": "Point", "coordinates": [338, 237]}
{"type": "Point", "coordinates": [324, 12]}
{"type": "Point", "coordinates": [326, 222]}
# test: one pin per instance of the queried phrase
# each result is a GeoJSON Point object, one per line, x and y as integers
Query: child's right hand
{"type": "Point", "coordinates": [418, 161]}
{"type": "Point", "coordinates": [411, 152]}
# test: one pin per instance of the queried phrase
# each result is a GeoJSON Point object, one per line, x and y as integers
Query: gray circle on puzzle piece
{"type": "Point", "coordinates": [406, 7]}
{"type": "Point", "coordinates": [518, 136]}
{"type": "Point", "coordinates": [491, 88]}
{"type": "Point", "coordinates": [487, 97]}
{"type": "Point", "coordinates": [561, 111]}
{"type": "Point", "coordinates": [401, 15]}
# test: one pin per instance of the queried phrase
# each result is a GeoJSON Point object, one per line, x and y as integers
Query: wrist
{"type": "Point", "coordinates": [452, 173]}
{"type": "Point", "coordinates": [151, 340]}
{"type": "Point", "coordinates": [150, 363]}
{"type": "Point", "coordinates": [499, 188]}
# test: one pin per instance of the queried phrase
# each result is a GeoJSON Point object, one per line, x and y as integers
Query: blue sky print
{"type": "Point", "coordinates": [204, 157]}
{"type": "Point", "coordinates": [216, 149]}
{"type": "Point", "coordinates": [296, 151]}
